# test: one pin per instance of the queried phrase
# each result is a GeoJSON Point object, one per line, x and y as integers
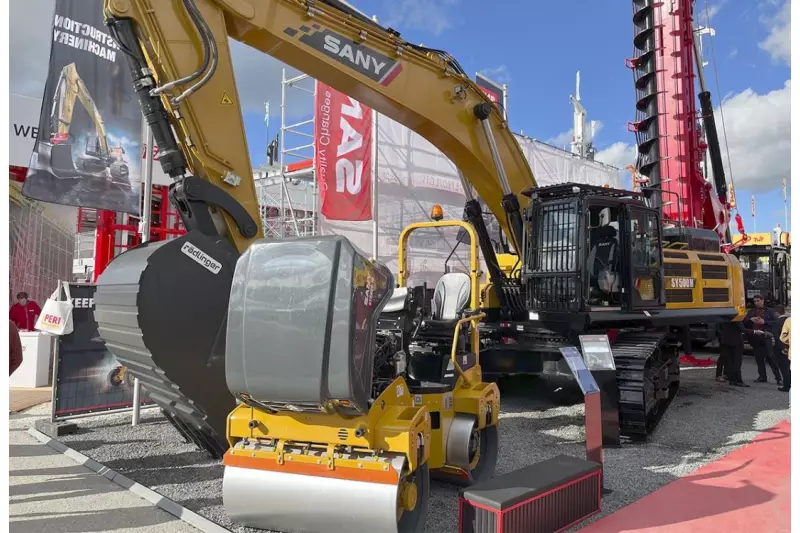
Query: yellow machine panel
{"type": "Point", "coordinates": [702, 280]}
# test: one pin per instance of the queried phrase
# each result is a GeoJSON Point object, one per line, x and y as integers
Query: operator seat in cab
{"type": "Point", "coordinates": [603, 260]}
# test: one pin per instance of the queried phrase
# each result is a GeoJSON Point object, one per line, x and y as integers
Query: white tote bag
{"type": "Point", "coordinates": [56, 316]}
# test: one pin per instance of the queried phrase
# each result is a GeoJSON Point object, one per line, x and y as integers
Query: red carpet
{"type": "Point", "coordinates": [690, 360]}
{"type": "Point", "coordinates": [746, 491]}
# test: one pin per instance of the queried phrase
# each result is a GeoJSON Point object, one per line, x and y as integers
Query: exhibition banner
{"type": "Point", "coordinates": [493, 90]}
{"type": "Point", "coordinates": [89, 379]}
{"type": "Point", "coordinates": [87, 152]}
{"type": "Point", "coordinates": [343, 144]}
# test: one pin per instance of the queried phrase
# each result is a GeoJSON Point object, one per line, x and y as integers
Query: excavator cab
{"type": "Point", "coordinates": [591, 249]}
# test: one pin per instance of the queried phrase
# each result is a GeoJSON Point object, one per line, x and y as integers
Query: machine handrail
{"type": "Point", "coordinates": [476, 346]}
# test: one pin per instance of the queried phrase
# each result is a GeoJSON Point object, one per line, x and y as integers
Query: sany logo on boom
{"type": "Point", "coordinates": [357, 56]}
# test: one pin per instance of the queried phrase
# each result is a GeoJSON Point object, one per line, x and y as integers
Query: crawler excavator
{"type": "Point", "coordinates": [330, 389]}
{"type": "Point", "coordinates": [99, 159]}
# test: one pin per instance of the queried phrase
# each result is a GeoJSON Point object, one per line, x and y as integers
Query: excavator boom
{"type": "Point", "coordinates": [148, 299]}
{"type": "Point", "coordinates": [421, 88]}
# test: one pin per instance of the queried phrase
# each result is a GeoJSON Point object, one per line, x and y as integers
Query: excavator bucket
{"type": "Point", "coordinates": [161, 308]}
{"type": "Point", "coordinates": [57, 158]}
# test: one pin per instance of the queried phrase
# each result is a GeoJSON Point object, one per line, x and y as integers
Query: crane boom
{"type": "Point", "coordinates": [421, 88]}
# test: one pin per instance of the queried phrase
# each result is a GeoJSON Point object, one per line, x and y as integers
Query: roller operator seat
{"type": "Point", "coordinates": [451, 296]}
{"type": "Point", "coordinates": [434, 371]}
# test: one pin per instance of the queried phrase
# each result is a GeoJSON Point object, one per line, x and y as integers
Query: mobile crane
{"type": "Point", "coordinates": [99, 159]}
{"type": "Point", "coordinates": [219, 324]}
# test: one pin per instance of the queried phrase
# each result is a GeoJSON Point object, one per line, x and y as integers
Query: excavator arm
{"type": "Point", "coordinates": [162, 316]}
{"type": "Point", "coordinates": [69, 88]}
{"type": "Point", "coordinates": [421, 88]}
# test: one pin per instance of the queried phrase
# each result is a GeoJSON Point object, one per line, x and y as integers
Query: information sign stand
{"type": "Point", "coordinates": [599, 359]}
{"type": "Point", "coordinates": [592, 406]}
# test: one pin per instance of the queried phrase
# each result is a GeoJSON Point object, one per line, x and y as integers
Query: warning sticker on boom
{"type": "Point", "coordinates": [199, 256]}
{"type": "Point", "coordinates": [225, 100]}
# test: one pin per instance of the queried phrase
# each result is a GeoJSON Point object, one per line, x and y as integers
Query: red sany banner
{"type": "Point", "coordinates": [343, 144]}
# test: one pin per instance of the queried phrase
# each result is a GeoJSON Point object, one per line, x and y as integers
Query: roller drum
{"type": "Point", "coordinates": [299, 503]}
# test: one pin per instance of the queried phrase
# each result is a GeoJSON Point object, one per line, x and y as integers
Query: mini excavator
{"type": "Point", "coordinates": [99, 159]}
{"type": "Point", "coordinates": [332, 390]}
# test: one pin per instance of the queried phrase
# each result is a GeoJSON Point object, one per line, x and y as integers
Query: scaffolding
{"type": "Point", "coordinates": [40, 249]}
{"type": "Point", "coordinates": [103, 235]}
{"type": "Point", "coordinates": [288, 194]}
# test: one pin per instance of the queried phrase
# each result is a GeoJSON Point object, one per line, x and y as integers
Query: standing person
{"type": "Point", "coordinates": [15, 347]}
{"type": "Point", "coordinates": [759, 323]}
{"type": "Point", "coordinates": [783, 329]}
{"type": "Point", "coordinates": [731, 348]}
{"type": "Point", "coordinates": [25, 312]}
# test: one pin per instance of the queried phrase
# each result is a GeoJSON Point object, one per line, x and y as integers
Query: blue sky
{"type": "Point", "coordinates": [536, 48]}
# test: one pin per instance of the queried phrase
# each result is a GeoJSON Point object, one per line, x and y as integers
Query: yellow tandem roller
{"type": "Point", "coordinates": [333, 433]}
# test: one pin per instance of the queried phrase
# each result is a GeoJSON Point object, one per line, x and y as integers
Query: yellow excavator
{"type": "Point", "coordinates": [99, 159]}
{"type": "Point", "coordinates": [331, 390]}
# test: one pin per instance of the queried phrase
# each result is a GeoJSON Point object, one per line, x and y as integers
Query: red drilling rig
{"type": "Point", "coordinates": [673, 139]}
{"type": "Point", "coordinates": [670, 140]}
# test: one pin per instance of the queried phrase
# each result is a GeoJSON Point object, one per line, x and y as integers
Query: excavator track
{"type": "Point", "coordinates": [648, 377]}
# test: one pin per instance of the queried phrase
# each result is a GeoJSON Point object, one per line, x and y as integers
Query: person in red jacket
{"type": "Point", "coordinates": [15, 347]}
{"type": "Point", "coordinates": [25, 312]}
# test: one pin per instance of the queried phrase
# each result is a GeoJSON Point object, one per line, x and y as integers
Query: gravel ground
{"type": "Point", "coordinates": [706, 420]}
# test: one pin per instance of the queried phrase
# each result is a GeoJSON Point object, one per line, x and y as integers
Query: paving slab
{"type": "Point", "coordinates": [50, 493]}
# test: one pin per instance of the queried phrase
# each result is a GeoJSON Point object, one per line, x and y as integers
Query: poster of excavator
{"type": "Point", "coordinates": [87, 152]}
{"type": "Point", "coordinates": [89, 379]}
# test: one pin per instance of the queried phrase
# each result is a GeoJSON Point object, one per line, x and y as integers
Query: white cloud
{"type": "Point", "coordinates": [258, 80]}
{"type": "Point", "coordinates": [30, 24]}
{"type": "Point", "coordinates": [618, 155]}
{"type": "Point", "coordinates": [759, 134]}
{"type": "Point", "coordinates": [758, 128]}
{"type": "Point", "coordinates": [563, 139]}
{"type": "Point", "coordinates": [733, 53]}
{"type": "Point", "coordinates": [499, 74]}
{"type": "Point", "coordinates": [778, 42]}
{"type": "Point", "coordinates": [430, 16]}
{"type": "Point", "coordinates": [705, 17]}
